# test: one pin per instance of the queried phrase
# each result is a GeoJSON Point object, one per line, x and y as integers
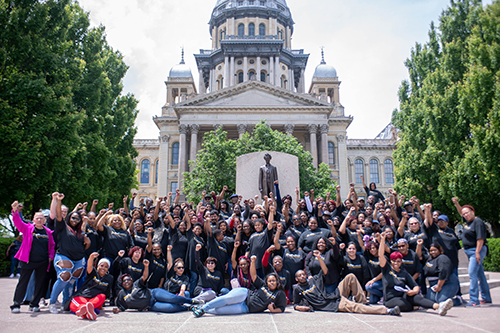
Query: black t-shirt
{"type": "Point", "coordinates": [141, 239]}
{"type": "Point", "coordinates": [138, 297]}
{"type": "Point", "coordinates": [175, 282]}
{"type": "Point", "coordinates": [68, 242]}
{"type": "Point", "coordinates": [157, 270]}
{"type": "Point", "coordinates": [314, 295]}
{"type": "Point", "coordinates": [358, 267]}
{"type": "Point", "coordinates": [332, 260]}
{"type": "Point", "coordinates": [295, 232]}
{"type": "Point", "coordinates": [179, 242]}
{"type": "Point", "coordinates": [39, 252]}
{"type": "Point", "coordinates": [128, 266]}
{"type": "Point", "coordinates": [95, 284]}
{"type": "Point", "coordinates": [411, 263]}
{"type": "Point", "coordinates": [210, 280]}
{"type": "Point", "coordinates": [472, 232]}
{"type": "Point", "coordinates": [95, 241]}
{"type": "Point", "coordinates": [115, 240]}
{"type": "Point", "coordinates": [308, 237]}
{"type": "Point", "coordinates": [351, 236]}
{"type": "Point", "coordinates": [413, 237]}
{"type": "Point", "coordinates": [448, 241]}
{"type": "Point", "coordinates": [259, 299]}
{"type": "Point", "coordinates": [391, 278]}
{"type": "Point", "coordinates": [258, 244]}
{"type": "Point", "coordinates": [373, 264]}
{"type": "Point", "coordinates": [439, 267]}
{"type": "Point", "coordinates": [191, 252]}
{"type": "Point", "coordinates": [293, 261]}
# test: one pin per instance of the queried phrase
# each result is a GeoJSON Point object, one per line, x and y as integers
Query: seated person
{"type": "Point", "coordinates": [133, 295]}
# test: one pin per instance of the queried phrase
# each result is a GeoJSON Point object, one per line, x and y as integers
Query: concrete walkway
{"type": "Point", "coordinates": [459, 319]}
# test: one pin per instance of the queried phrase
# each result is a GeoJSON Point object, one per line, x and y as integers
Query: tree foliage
{"type": "Point", "coordinates": [216, 162]}
{"type": "Point", "coordinates": [65, 124]}
{"type": "Point", "coordinates": [449, 112]}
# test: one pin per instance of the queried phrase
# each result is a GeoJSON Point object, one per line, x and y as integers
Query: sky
{"type": "Point", "coordinates": [367, 41]}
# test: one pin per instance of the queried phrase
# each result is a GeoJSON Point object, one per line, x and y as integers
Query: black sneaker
{"type": "Point", "coordinates": [395, 311]}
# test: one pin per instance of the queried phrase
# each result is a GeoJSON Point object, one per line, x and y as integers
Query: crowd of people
{"type": "Point", "coordinates": [245, 255]}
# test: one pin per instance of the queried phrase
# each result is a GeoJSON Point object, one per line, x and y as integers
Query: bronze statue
{"type": "Point", "coordinates": [267, 175]}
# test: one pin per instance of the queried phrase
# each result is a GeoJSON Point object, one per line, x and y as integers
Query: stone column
{"type": "Point", "coordinates": [195, 128]}
{"type": "Point", "coordinates": [226, 72]}
{"type": "Point", "coordinates": [183, 128]}
{"type": "Point", "coordinates": [342, 163]}
{"type": "Point", "coordinates": [242, 128]}
{"type": "Point", "coordinates": [271, 70]}
{"type": "Point", "coordinates": [323, 128]}
{"type": "Point", "coordinates": [245, 69]}
{"type": "Point", "coordinates": [277, 71]}
{"type": "Point", "coordinates": [231, 72]}
{"type": "Point", "coordinates": [302, 82]}
{"type": "Point", "coordinates": [289, 129]}
{"type": "Point", "coordinates": [201, 85]}
{"type": "Point", "coordinates": [162, 189]}
{"type": "Point", "coordinates": [290, 79]}
{"type": "Point", "coordinates": [313, 128]}
{"type": "Point", "coordinates": [258, 68]}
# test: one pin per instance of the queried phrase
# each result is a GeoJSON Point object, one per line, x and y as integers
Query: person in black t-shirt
{"type": "Point", "coordinates": [88, 300]}
{"type": "Point", "coordinates": [158, 263]}
{"type": "Point", "coordinates": [241, 268]}
{"type": "Point", "coordinates": [474, 242]}
{"type": "Point", "coordinates": [355, 264]}
{"type": "Point", "coordinates": [310, 294]}
{"type": "Point", "coordinates": [177, 282]}
{"type": "Point", "coordinates": [131, 265]}
{"type": "Point", "coordinates": [133, 294]}
{"type": "Point", "coordinates": [399, 287]}
{"type": "Point", "coordinates": [266, 296]}
{"type": "Point", "coordinates": [209, 278]}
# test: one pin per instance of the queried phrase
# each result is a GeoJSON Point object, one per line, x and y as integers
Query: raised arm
{"type": "Point", "coordinates": [297, 199]}
{"type": "Point", "coordinates": [253, 270]}
{"type": "Point", "coordinates": [169, 257]}
{"type": "Point", "coordinates": [208, 228]}
{"type": "Point", "coordinates": [360, 240]}
{"type": "Point", "coordinates": [177, 196]}
{"type": "Point", "coordinates": [234, 261]}
{"type": "Point", "coordinates": [272, 211]}
{"type": "Point", "coordinates": [381, 251]}
{"type": "Point", "coordinates": [338, 199]}
{"type": "Point", "coordinates": [104, 215]}
{"type": "Point", "coordinates": [94, 205]}
{"type": "Point", "coordinates": [60, 198]}
{"type": "Point", "coordinates": [457, 205]}
{"type": "Point", "coordinates": [53, 205]}
{"type": "Point", "coordinates": [145, 273]}
{"type": "Point", "coordinates": [401, 227]}
{"type": "Point", "coordinates": [90, 262]}
{"type": "Point", "coordinates": [149, 247]}
{"type": "Point", "coordinates": [279, 230]}
{"type": "Point", "coordinates": [317, 254]}
{"type": "Point", "coordinates": [332, 228]}
{"type": "Point", "coordinates": [125, 206]}
{"type": "Point", "coordinates": [428, 221]}
{"type": "Point", "coordinates": [420, 211]}
{"type": "Point", "coordinates": [157, 209]}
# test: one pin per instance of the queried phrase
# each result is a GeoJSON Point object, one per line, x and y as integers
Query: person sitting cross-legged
{"type": "Point", "coordinates": [310, 294]}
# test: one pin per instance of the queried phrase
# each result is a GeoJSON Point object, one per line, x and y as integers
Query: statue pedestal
{"type": "Point", "coordinates": [247, 174]}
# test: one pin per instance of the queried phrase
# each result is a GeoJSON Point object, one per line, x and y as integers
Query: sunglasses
{"type": "Point", "coordinates": [180, 267]}
{"type": "Point", "coordinates": [400, 246]}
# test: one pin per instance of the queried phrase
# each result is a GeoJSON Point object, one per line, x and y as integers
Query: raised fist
{"type": "Point", "coordinates": [198, 247]}
{"type": "Point", "coordinates": [121, 253]}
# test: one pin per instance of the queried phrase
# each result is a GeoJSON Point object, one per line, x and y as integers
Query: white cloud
{"type": "Point", "coordinates": [366, 41]}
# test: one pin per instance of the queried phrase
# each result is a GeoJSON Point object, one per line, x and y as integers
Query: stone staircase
{"type": "Point", "coordinates": [463, 276]}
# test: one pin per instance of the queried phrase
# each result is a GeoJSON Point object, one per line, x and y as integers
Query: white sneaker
{"type": "Point", "coordinates": [445, 306]}
{"type": "Point", "coordinates": [53, 308]}
{"type": "Point", "coordinates": [18, 275]}
{"type": "Point", "coordinates": [11, 276]}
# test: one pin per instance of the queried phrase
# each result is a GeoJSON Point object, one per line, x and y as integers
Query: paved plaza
{"type": "Point", "coordinates": [459, 319]}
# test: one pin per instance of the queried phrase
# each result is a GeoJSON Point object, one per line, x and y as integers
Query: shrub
{"type": "Point", "coordinates": [492, 260]}
{"type": "Point", "coordinates": [4, 261]}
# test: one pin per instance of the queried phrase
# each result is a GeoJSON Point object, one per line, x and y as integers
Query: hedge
{"type": "Point", "coordinates": [4, 261]}
{"type": "Point", "coordinates": [492, 260]}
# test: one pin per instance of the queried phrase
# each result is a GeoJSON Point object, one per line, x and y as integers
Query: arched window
{"type": "Point", "coordinates": [251, 29]}
{"type": "Point", "coordinates": [374, 171]}
{"type": "Point", "coordinates": [240, 77]}
{"type": "Point", "coordinates": [359, 170]}
{"type": "Point", "coordinates": [145, 172]}
{"type": "Point", "coordinates": [280, 34]}
{"type": "Point", "coordinates": [262, 29]}
{"type": "Point", "coordinates": [263, 76]}
{"type": "Point", "coordinates": [175, 153]}
{"type": "Point", "coordinates": [389, 171]}
{"type": "Point", "coordinates": [241, 29]}
{"type": "Point", "coordinates": [251, 74]}
{"type": "Point", "coordinates": [156, 171]}
{"type": "Point", "coordinates": [331, 154]}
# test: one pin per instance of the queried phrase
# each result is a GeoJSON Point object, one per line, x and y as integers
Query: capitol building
{"type": "Point", "coordinates": [252, 72]}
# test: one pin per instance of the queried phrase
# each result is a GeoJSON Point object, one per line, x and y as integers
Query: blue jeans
{"type": "Point", "coordinates": [449, 290]}
{"type": "Point", "coordinates": [193, 281]}
{"type": "Point", "coordinates": [13, 264]}
{"type": "Point", "coordinates": [165, 301]}
{"type": "Point", "coordinates": [231, 303]}
{"type": "Point", "coordinates": [331, 288]}
{"type": "Point", "coordinates": [376, 291]}
{"type": "Point", "coordinates": [61, 283]}
{"type": "Point", "coordinates": [477, 277]}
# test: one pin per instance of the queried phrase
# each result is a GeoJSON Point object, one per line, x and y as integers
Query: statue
{"type": "Point", "coordinates": [268, 174]}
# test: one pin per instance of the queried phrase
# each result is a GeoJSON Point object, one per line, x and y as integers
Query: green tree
{"type": "Point", "coordinates": [65, 125]}
{"type": "Point", "coordinates": [449, 112]}
{"type": "Point", "coordinates": [216, 162]}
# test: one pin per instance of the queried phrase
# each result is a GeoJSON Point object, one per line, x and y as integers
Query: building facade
{"type": "Point", "coordinates": [253, 73]}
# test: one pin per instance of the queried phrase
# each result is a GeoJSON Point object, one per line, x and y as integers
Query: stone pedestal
{"type": "Point", "coordinates": [247, 174]}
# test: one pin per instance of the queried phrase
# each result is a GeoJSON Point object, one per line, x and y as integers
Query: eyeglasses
{"type": "Point", "coordinates": [180, 267]}
{"type": "Point", "coordinates": [127, 280]}
{"type": "Point", "coordinates": [296, 219]}
{"type": "Point", "coordinates": [401, 246]}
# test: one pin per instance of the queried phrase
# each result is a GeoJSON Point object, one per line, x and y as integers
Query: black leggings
{"type": "Point", "coordinates": [22, 284]}
{"type": "Point", "coordinates": [406, 304]}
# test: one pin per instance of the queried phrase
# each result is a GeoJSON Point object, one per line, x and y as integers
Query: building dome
{"type": "Point", "coordinates": [279, 6]}
{"type": "Point", "coordinates": [180, 70]}
{"type": "Point", "coordinates": [323, 70]}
